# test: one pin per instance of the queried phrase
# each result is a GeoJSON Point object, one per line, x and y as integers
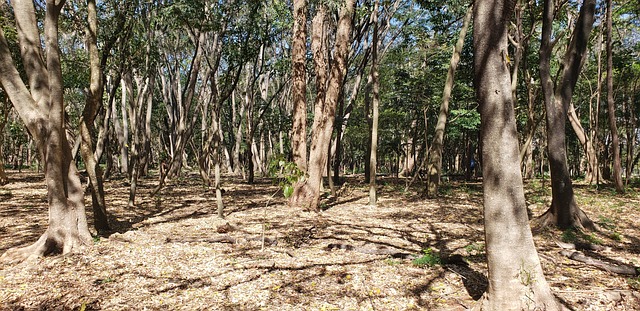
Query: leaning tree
{"type": "Point", "coordinates": [39, 102]}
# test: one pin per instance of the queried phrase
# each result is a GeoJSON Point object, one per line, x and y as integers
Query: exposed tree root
{"type": "Point", "coordinates": [47, 244]}
{"type": "Point", "coordinates": [602, 265]}
{"type": "Point", "coordinates": [579, 220]}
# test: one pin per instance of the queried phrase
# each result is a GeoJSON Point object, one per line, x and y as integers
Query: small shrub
{"type": "Point", "coordinates": [286, 173]}
{"type": "Point", "coordinates": [429, 259]}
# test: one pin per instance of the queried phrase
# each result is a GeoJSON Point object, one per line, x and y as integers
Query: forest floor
{"type": "Point", "coordinates": [171, 252]}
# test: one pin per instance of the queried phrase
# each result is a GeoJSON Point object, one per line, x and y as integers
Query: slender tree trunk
{"type": "Point", "coordinates": [121, 129]}
{"type": "Point", "coordinates": [434, 166]}
{"type": "Point", "coordinates": [4, 179]}
{"type": "Point", "coordinates": [597, 173]}
{"type": "Point", "coordinates": [516, 280]}
{"type": "Point", "coordinates": [589, 150]}
{"type": "Point", "coordinates": [299, 88]}
{"type": "Point", "coordinates": [564, 212]}
{"type": "Point", "coordinates": [615, 140]}
{"type": "Point", "coordinates": [375, 103]}
{"type": "Point", "coordinates": [93, 102]}
{"type": "Point", "coordinates": [631, 138]}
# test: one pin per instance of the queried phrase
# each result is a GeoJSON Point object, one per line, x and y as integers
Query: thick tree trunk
{"type": "Point", "coordinates": [434, 166]}
{"type": "Point", "coordinates": [516, 280]}
{"type": "Point", "coordinates": [564, 212]}
{"type": "Point", "coordinates": [42, 110]}
{"type": "Point", "coordinates": [615, 140]}
{"type": "Point", "coordinates": [299, 88]}
{"type": "Point", "coordinates": [307, 193]}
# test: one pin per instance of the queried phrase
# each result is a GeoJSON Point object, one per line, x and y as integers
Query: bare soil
{"type": "Point", "coordinates": [171, 252]}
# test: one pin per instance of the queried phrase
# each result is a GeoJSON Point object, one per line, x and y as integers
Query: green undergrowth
{"type": "Point", "coordinates": [429, 258]}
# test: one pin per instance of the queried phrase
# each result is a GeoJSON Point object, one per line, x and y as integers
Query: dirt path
{"type": "Point", "coordinates": [173, 253]}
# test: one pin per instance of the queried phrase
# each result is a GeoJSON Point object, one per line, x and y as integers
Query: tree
{"type": "Point", "coordinates": [299, 87]}
{"type": "Point", "coordinates": [307, 193]}
{"type": "Point", "coordinates": [375, 104]}
{"type": "Point", "coordinates": [434, 168]}
{"type": "Point", "coordinates": [41, 107]}
{"type": "Point", "coordinates": [87, 130]}
{"type": "Point", "coordinates": [516, 280]}
{"type": "Point", "coordinates": [615, 140]}
{"type": "Point", "coordinates": [564, 211]}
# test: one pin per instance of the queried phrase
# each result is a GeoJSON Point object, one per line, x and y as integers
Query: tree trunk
{"type": "Point", "coordinates": [307, 193]}
{"type": "Point", "coordinates": [516, 280]}
{"type": "Point", "coordinates": [121, 129]}
{"type": "Point", "coordinates": [4, 179]}
{"type": "Point", "coordinates": [87, 130]}
{"type": "Point", "coordinates": [299, 87]}
{"type": "Point", "coordinates": [42, 110]}
{"type": "Point", "coordinates": [631, 138]}
{"type": "Point", "coordinates": [564, 212]}
{"type": "Point", "coordinates": [589, 150]}
{"type": "Point", "coordinates": [434, 166]}
{"type": "Point", "coordinates": [375, 103]}
{"type": "Point", "coordinates": [615, 140]}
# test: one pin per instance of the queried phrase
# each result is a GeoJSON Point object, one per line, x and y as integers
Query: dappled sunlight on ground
{"type": "Point", "coordinates": [171, 252]}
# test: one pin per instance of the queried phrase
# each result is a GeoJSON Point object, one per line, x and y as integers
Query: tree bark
{"type": "Point", "coordinates": [615, 140]}
{"type": "Point", "coordinates": [299, 87]}
{"type": "Point", "coordinates": [375, 103]}
{"type": "Point", "coordinates": [307, 193]}
{"type": "Point", "coordinates": [87, 130]}
{"type": "Point", "coordinates": [564, 211]}
{"type": "Point", "coordinates": [434, 166]}
{"type": "Point", "coordinates": [586, 142]}
{"type": "Point", "coordinates": [516, 280]}
{"type": "Point", "coordinates": [42, 110]}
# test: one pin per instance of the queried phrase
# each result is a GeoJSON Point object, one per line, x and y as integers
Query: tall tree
{"type": "Point", "coordinates": [516, 280]}
{"type": "Point", "coordinates": [434, 168]}
{"type": "Point", "coordinates": [41, 108]}
{"type": "Point", "coordinates": [564, 211]}
{"type": "Point", "coordinates": [87, 129]}
{"type": "Point", "coordinates": [307, 193]}
{"type": "Point", "coordinates": [299, 87]}
{"type": "Point", "coordinates": [615, 140]}
{"type": "Point", "coordinates": [375, 104]}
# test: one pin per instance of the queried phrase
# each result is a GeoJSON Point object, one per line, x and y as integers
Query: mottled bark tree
{"type": "Point", "coordinates": [564, 212]}
{"type": "Point", "coordinates": [516, 280]}
{"type": "Point", "coordinates": [41, 107]}
{"type": "Point", "coordinates": [307, 193]}
{"type": "Point", "coordinates": [299, 87]}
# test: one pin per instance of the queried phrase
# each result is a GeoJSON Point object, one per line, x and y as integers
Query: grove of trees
{"type": "Point", "coordinates": [312, 91]}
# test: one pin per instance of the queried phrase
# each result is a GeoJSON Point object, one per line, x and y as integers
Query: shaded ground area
{"type": "Point", "coordinates": [171, 251]}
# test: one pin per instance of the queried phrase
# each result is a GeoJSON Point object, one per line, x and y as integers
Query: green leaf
{"type": "Point", "coordinates": [288, 191]}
